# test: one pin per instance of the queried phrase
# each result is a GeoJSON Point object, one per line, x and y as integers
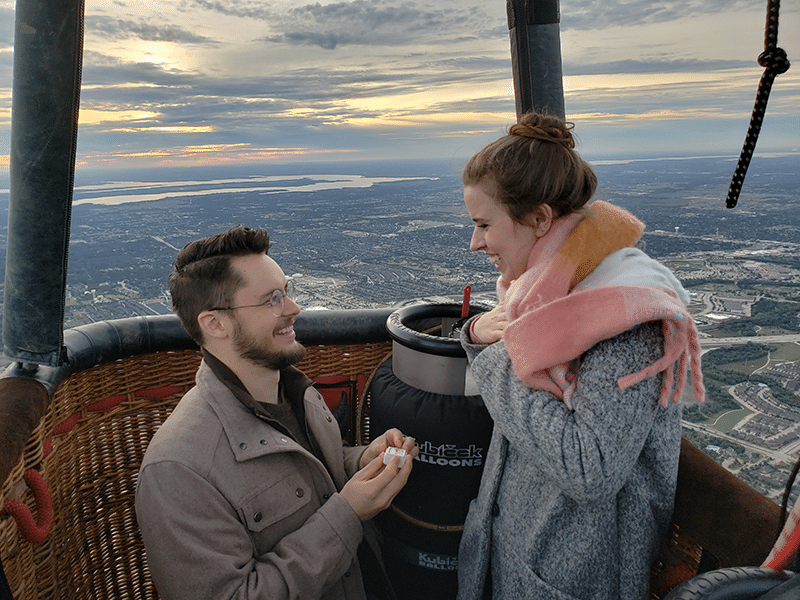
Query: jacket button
{"type": "Point", "coordinates": [243, 446]}
{"type": "Point", "coordinates": [326, 496]}
{"type": "Point", "coordinates": [257, 517]}
{"type": "Point", "coordinates": [495, 510]}
{"type": "Point", "coordinates": [299, 492]}
{"type": "Point", "coordinates": [263, 442]}
{"type": "Point", "coordinates": [347, 574]}
{"type": "Point", "coordinates": [329, 419]}
{"type": "Point", "coordinates": [283, 439]}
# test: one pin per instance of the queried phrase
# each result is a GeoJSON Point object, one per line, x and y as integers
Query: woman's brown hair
{"type": "Point", "coordinates": [536, 163]}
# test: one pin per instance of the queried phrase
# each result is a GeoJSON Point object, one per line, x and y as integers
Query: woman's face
{"type": "Point", "coordinates": [508, 244]}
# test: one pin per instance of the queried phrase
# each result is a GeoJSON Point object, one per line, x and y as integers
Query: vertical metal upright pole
{"type": "Point", "coordinates": [536, 56]}
{"type": "Point", "coordinates": [48, 47]}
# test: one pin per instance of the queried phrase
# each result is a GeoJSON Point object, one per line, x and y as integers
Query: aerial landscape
{"type": "Point", "coordinates": [128, 130]}
{"type": "Point", "coordinates": [388, 234]}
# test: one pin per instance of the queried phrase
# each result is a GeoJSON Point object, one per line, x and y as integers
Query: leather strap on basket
{"type": "Point", "coordinates": [424, 524]}
{"type": "Point", "coordinates": [34, 531]}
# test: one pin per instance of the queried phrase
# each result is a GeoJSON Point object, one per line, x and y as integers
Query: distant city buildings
{"type": "Point", "coordinates": [407, 240]}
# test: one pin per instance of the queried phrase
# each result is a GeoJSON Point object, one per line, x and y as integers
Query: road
{"type": "Point", "coordinates": [756, 339]}
{"type": "Point", "coordinates": [780, 455]}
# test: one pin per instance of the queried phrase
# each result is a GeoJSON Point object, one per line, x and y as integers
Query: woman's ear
{"type": "Point", "coordinates": [540, 219]}
{"type": "Point", "coordinates": [212, 325]}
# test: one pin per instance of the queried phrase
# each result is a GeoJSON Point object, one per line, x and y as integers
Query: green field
{"type": "Point", "coordinates": [727, 421]}
{"type": "Point", "coordinates": [786, 352]}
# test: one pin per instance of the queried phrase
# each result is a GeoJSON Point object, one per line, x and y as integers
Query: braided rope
{"type": "Point", "coordinates": [32, 530]}
{"type": "Point", "coordinates": [775, 62]}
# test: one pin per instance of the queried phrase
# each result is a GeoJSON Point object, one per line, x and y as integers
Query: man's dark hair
{"type": "Point", "coordinates": [203, 276]}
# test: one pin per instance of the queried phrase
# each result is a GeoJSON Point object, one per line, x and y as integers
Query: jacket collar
{"type": "Point", "coordinates": [293, 384]}
{"type": "Point", "coordinates": [242, 417]}
{"type": "Point", "coordinates": [251, 436]}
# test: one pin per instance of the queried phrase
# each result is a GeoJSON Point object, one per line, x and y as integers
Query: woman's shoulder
{"type": "Point", "coordinates": [632, 267]}
{"type": "Point", "coordinates": [631, 350]}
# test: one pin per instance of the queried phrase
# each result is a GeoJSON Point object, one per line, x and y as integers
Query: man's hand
{"type": "Point", "coordinates": [489, 327]}
{"type": "Point", "coordinates": [373, 488]}
{"type": "Point", "coordinates": [393, 437]}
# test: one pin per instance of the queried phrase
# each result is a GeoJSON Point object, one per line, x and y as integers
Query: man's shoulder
{"type": "Point", "coordinates": [189, 435]}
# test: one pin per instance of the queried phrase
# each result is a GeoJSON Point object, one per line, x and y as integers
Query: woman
{"type": "Point", "coordinates": [581, 366]}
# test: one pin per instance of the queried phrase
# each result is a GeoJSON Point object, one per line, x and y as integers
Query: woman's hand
{"type": "Point", "coordinates": [489, 327]}
{"type": "Point", "coordinates": [394, 438]}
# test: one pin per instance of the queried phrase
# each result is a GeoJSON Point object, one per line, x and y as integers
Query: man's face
{"type": "Point", "coordinates": [259, 336]}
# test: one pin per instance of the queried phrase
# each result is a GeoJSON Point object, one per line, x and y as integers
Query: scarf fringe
{"type": "Point", "coordinates": [686, 353]}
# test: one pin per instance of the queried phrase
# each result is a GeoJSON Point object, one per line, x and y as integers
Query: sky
{"type": "Point", "coordinates": [213, 82]}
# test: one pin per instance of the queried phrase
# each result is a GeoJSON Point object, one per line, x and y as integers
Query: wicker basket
{"type": "Point", "coordinates": [88, 448]}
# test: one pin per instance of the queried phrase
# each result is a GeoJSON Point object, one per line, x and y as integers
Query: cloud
{"type": "Point", "coordinates": [6, 26]}
{"type": "Point", "coordinates": [406, 78]}
{"type": "Point", "coordinates": [363, 22]}
{"type": "Point", "coordinates": [121, 29]}
{"type": "Point", "coordinates": [111, 79]}
{"type": "Point", "coordinates": [6, 71]}
{"type": "Point", "coordinates": [599, 14]}
{"type": "Point", "coordinates": [103, 70]}
{"type": "Point", "coordinates": [244, 9]}
{"type": "Point", "coordinates": [633, 66]}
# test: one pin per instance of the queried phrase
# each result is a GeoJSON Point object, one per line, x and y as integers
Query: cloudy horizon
{"type": "Point", "coordinates": [209, 82]}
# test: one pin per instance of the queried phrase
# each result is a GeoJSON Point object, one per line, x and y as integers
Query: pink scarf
{"type": "Point", "coordinates": [549, 327]}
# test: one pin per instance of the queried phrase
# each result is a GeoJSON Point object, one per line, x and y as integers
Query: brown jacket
{"type": "Point", "coordinates": [230, 507]}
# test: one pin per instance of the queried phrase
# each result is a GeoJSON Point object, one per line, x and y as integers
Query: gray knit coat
{"type": "Point", "coordinates": [572, 503]}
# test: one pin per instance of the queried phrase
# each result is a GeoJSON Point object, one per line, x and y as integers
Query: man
{"type": "Point", "coordinates": [247, 491]}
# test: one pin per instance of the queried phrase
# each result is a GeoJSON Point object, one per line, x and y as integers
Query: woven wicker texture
{"type": "Point", "coordinates": [88, 447]}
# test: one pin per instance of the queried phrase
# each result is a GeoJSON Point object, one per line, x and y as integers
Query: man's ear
{"type": "Point", "coordinates": [213, 325]}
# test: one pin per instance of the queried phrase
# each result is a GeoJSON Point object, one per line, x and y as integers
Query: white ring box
{"type": "Point", "coordinates": [390, 452]}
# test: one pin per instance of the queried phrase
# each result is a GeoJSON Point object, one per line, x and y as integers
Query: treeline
{"type": "Point", "coordinates": [771, 313]}
{"type": "Point", "coordinates": [717, 380]}
{"type": "Point", "coordinates": [714, 360]}
{"type": "Point", "coordinates": [718, 401]}
{"type": "Point", "coordinates": [701, 440]}
{"type": "Point", "coordinates": [780, 393]}
{"type": "Point", "coordinates": [755, 284]}
{"type": "Point", "coordinates": [734, 354]}
{"type": "Point", "coordinates": [659, 246]}
{"type": "Point", "coordinates": [765, 313]}
{"type": "Point", "coordinates": [786, 259]}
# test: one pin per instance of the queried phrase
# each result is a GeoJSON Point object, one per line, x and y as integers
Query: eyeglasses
{"type": "Point", "coordinates": [275, 301]}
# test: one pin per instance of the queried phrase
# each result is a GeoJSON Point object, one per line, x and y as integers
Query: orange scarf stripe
{"type": "Point", "coordinates": [604, 229]}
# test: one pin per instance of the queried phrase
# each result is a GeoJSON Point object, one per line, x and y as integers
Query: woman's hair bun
{"type": "Point", "coordinates": [535, 164]}
{"type": "Point", "coordinates": [546, 128]}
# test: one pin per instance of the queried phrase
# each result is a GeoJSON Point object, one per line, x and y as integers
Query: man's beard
{"type": "Point", "coordinates": [262, 355]}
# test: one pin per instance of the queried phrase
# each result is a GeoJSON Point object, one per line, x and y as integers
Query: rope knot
{"type": "Point", "coordinates": [774, 60]}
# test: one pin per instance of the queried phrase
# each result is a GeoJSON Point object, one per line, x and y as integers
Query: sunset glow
{"type": "Point", "coordinates": [250, 81]}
